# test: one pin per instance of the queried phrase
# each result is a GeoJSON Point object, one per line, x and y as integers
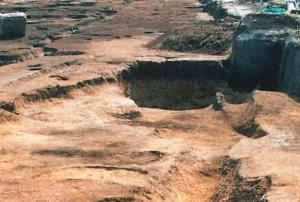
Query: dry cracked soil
{"type": "Point", "coordinates": [89, 112]}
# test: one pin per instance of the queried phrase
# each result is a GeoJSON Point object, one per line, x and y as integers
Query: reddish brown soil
{"type": "Point", "coordinates": [69, 133]}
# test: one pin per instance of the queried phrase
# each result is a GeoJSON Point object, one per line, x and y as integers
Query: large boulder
{"type": "Point", "coordinates": [289, 78]}
{"type": "Point", "coordinates": [12, 25]}
{"type": "Point", "coordinates": [256, 59]}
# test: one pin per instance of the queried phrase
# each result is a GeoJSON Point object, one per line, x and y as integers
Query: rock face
{"type": "Point", "coordinates": [12, 25]}
{"type": "Point", "coordinates": [289, 79]}
{"type": "Point", "coordinates": [256, 59]}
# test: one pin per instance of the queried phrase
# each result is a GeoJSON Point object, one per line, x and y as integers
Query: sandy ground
{"type": "Point", "coordinates": [83, 147]}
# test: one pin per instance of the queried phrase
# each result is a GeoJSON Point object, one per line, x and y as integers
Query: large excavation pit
{"type": "Point", "coordinates": [178, 84]}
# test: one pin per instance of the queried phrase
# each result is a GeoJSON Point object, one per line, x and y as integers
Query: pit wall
{"type": "Point", "coordinates": [179, 69]}
{"type": "Point", "coordinates": [289, 79]}
{"type": "Point", "coordinates": [266, 58]}
{"type": "Point", "coordinates": [256, 59]}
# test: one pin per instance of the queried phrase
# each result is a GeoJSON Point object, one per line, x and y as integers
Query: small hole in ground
{"type": "Point", "coordinates": [250, 128]}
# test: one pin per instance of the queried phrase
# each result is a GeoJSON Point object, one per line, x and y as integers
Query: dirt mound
{"type": "Point", "coordinates": [206, 37]}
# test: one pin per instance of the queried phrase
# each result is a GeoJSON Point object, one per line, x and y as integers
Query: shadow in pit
{"type": "Point", "coordinates": [178, 84]}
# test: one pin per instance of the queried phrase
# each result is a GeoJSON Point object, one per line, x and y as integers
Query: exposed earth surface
{"type": "Point", "coordinates": [112, 101]}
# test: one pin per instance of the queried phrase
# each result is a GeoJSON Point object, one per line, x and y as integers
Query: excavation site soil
{"type": "Point", "coordinates": [114, 101]}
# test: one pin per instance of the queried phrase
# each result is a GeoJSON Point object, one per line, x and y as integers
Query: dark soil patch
{"type": "Point", "coordinates": [35, 65]}
{"type": "Point", "coordinates": [66, 52]}
{"type": "Point", "coordinates": [206, 37]}
{"type": "Point", "coordinates": [244, 121]}
{"type": "Point", "coordinates": [14, 56]}
{"type": "Point", "coordinates": [119, 199]}
{"type": "Point", "coordinates": [165, 125]}
{"type": "Point", "coordinates": [7, 106]}
{"type": "Point", "coordinates": [59, 77]}
{"type": "Point", "coordinates": [130, 115]}
{"type": "Point", "coordinates": [234, 187]}
{"type": "Point", "coordinates": [267, 22]}
{"type": "Point", "coordinates": [250, 128]}
{"type": "Point", "coordinates": [105, 156]}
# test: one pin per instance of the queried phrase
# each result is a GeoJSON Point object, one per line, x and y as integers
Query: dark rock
{"type": "Point", "coordinates": [220, 101]}
{"type": "Point", "coordinates": [12, 25]}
